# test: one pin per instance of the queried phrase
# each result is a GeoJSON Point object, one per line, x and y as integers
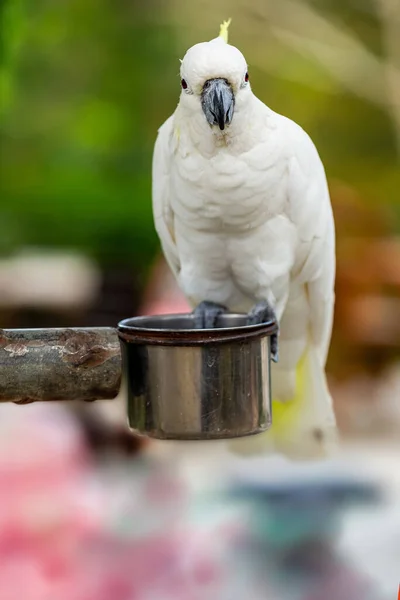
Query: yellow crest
{"type": "Point", "coordinates": [223, 30]}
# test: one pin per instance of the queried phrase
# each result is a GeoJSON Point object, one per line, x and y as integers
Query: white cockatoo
{"type": "Point", "coordinates": [242, 209]}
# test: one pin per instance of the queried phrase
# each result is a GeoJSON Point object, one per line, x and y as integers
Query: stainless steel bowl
{"type": "Point", "coordinates": [197, 384]}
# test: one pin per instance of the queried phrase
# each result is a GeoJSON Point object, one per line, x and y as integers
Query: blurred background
{"type": "Point", "coordinates": [84, 86]}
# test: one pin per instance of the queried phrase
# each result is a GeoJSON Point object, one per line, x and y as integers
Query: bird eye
{"type": "Point", "coordinates": [184, 84]}
{"type": "Point", "coordinates": [246, 77]}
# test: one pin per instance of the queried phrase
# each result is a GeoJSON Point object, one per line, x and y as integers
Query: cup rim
{"type": "Point", "coordinates": [133, 330]}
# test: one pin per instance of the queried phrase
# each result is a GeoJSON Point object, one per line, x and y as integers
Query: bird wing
{"type": "Point", "coordinates": [310, 209]}
{"type": "Point", "coordinates": [303, 427]}
{"type": "Point", "coordinates": [161, 191]}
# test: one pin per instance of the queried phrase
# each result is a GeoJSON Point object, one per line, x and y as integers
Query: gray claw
{"type": "Point", "coordinates": [261, 313]}
{"type": "Point", "coordinates": [274, 348]}
{"type": "Point", "coordinates": [206, 314]}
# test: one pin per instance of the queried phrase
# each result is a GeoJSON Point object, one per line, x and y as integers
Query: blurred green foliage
{"type": "Point", "coordinates": [85, 87]}
{"type": "Point", "coordinates": [86, 83]}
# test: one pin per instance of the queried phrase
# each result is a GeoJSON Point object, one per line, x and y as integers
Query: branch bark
{"type": "Point", "coordinates": [59, 364]}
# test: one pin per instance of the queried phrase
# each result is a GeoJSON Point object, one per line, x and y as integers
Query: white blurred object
{"type": "Point", "coordinates": [371, 538]}
{"type": "Point", "coordinates": [48, 279]}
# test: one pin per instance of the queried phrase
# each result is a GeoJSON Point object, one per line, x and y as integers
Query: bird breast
{"type": "Point", "coordinates": [228, 192]}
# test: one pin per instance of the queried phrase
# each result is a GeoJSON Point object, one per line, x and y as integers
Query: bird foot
{"type": "Point", "coordinates": [207, 313]}
{"type": "Point", "coordinates": [263, 312]}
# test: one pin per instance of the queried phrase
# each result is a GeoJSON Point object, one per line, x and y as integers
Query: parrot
{"type": "Point", "coordinates": [242, 210]}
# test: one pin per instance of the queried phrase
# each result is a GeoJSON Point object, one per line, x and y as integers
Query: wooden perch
{"type": "Point", "coordinates": [59, 364]}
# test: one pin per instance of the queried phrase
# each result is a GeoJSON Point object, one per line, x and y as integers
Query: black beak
{"type": "Point", "coordinates": [218, 102]}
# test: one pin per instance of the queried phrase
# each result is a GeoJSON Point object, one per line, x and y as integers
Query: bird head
{"type": "Point", "coordinates": [214, 80]}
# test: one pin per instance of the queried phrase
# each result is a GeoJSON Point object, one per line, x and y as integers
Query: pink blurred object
{"type": "Point", "coordinates": [55, 538]}
{"type": "Point", "coordinates": [163, 295]}
{"type": "Point", "coordinates": [43, 461]}
{"type": "Point", "coordinates": [48, 502]}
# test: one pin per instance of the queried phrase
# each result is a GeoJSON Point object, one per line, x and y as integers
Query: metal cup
{"type": "Point", "coordinates": [197, 384]}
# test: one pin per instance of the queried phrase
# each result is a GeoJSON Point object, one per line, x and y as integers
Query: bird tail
{"type": "Point", "coordinates": [303, 427]}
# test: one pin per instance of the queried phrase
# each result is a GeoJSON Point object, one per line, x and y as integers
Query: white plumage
{"type": "Point", "coordinates": [243, 215]}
